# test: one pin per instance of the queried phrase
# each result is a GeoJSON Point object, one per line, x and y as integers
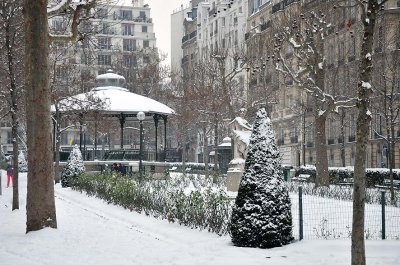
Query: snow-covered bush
{"type": "Point", "coordinates": [73, 168]}
{"type": "Point", "coordinates": [261, 216]}
{"type": "Point", "coordinates": [22, 163]}
{"type": "Point", "coordinates": [190, 201]}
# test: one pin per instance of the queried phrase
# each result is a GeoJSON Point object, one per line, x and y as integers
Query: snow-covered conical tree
{"type": "Point", "coordinates": [73, 168]}
{"type": "Point", "coordinates": [22, 163]}
{"type": "Point", "coordinates": [261, 216]}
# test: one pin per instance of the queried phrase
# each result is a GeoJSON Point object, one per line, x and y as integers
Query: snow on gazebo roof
{"type": "Point", "coordinates": [115, 99]}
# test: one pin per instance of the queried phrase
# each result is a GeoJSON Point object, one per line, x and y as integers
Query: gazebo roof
{"type": "Point", "coordinates": [116, 100]}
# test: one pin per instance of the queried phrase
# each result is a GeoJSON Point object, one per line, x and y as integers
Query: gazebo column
{"type": "Point", "coordinates": [165, 118]}
{"type": "Point", "coordinates": [95, 140]}
{"type": "Point", "coordinates": [80, 131]}
{"type": "Point", "coordinates": [122, 119]}
{"type": "Point", "coordinates": [156, 118]}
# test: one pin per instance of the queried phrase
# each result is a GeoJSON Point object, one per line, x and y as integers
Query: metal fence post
{"type": "Point", "coordinates": [301, 213]}
{"type": "Point", "coordinates": [383, 216]}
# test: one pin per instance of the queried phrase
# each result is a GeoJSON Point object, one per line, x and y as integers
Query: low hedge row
{"type": "Point", "coordinates": [374, 176]}
{"type": "Point", "coordinates": [208, 208]}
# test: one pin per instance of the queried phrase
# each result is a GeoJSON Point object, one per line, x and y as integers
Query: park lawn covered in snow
{"type": "Point", "coordinates": [93, 232]}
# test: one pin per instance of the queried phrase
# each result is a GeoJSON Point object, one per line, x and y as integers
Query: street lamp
{"type": "Point", "coordinates": [141, 116]}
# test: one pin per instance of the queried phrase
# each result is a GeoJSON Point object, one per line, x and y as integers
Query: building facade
{"type": "Point", "coordinates": [253, 24]}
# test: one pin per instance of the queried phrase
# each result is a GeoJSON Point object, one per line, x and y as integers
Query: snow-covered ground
{"type": "Point", "coordinates": [93, 232]}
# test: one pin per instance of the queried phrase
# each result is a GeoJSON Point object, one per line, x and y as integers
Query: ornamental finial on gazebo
{"type": "Point", "coordinates": [110, 79]}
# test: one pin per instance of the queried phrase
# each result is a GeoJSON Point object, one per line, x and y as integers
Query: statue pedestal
{"type": "Point", "coordinates": [234, 174]}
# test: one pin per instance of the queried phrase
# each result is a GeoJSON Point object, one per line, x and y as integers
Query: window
{"type": "Point", "coordinates": [146, 44]}
{"type": "Point", "coordinates": [127, 29]}
{"type": "Point", "coordinates": [130, 61]}
{"type": "Point", "coordinates": [352, 126]}
{"type": "Point", "coordinates": [341, 52]}
{"type": "Point", "coordinates": [353, 10]}
{"type": "Point", "coordinates": [105, 28]}
{"type": "Point", "coordinates": [102, 13]}
{"type": "Point", "coordinates": [352, 52]}
{"type": "Point", "coordinates": [104, 59]}
{"type": "Point", "coordinates": [378, 125]}
{"type": "Point", "coordinates": [331, 129]}
{"type": "Point", "coordinates": [330, 55]}
{"type": "Point", "coordinates": [142, 14]}
{"type": "Point", "coordinates": [379, 46]}
{"type": "Point", "coordinates": [58, 25]}
{"type": "Point", "coordinates": [144, 28]}
{"type": "Point", "coordinates": [125, 14]}
{"type": "Point", "coordinates": [104, 43]}
{"type": "Point", "coordinates": [129, 45]}
{"type": "Point", "coordinates": [398, 33]}
{"type": "Point", "coordinates": [86, 59]}
{"type": "Point", "coordinates": [9, 137]}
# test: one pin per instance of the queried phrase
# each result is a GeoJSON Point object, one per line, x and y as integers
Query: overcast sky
{"type": "Point", "coordinates": [161, 11]}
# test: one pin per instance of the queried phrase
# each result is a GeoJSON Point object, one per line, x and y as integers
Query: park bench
{"type": "Point", "coordinates": [301, 178]}
{"type": "Point", "coordinates": [347, 182]}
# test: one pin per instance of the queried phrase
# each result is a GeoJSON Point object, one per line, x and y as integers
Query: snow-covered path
{"type": "Point", "coordinates": [93, 232]}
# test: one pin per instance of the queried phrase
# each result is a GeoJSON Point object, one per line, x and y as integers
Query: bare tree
{"type": "Point", "coordinates": [369, 12]}
{"type": "Point", "coordinates": [305, 37]}
{"type": "Point", "coordinates": [40, 206]}
{"type": "Point", "coordinates": [386, 88]}
{"type": "Point", "coordinates": [11, 43]}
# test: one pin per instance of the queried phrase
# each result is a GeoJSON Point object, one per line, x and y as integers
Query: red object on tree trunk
{"type": "Point", "coordinates": [349, 24]}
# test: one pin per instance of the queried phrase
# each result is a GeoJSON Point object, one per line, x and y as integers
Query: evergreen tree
{"type": "Point", "coordinates": [261, 216]}
{"type": "Point", "coordinates": [73, 168]}
{"type": "Point", "coordinates": [22, 163]}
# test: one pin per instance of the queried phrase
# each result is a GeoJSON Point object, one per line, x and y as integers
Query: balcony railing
{"type": "Point", "coordinates": [352, 138]}
{"type": "Point", "coordinates": [294, 139]}
{"type": "Point", "coordinates": [340, 140]}
{"type": "Point", "coordinates": [281, 141]}
{"type": "Point", "coordinates": [331, 141]}
{"type": "Point", "coordinates": [310, 144]}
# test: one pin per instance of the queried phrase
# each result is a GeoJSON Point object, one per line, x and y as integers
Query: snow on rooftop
{"type": "Point", "coordinates": [110, 76]}
{"type": "Point", "coordinates": [119, 100]}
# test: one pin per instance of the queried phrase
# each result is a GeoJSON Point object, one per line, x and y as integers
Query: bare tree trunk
{"type": "Point", "coordinates": [391, 148]}
{"type": "Point", "coordinates": [322, 178]}
{"type": "Point", "coordinates": [9, 43]}
{"type": "Point", "coordinates": [57, 146]}
{"type": "Point", "coordinates": [14, 135]}
{"type": "Point", "coordinates": [364, 117]}
{"type": "Point", "coordinates": [40, 205]}
{"type": "Point", "coordinates": [216, 158]}
{"type": "Point", "coordinates": [342, 134]}
{"type": "Point", "coordinates": [205, 151]}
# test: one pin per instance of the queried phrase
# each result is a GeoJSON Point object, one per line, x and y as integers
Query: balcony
{"type": "Point", "coordinates": [352, 138]}
{"type": "Point", "coordinates": [310, 144]}
{"type": "Point", "coordinates": [331, 141]}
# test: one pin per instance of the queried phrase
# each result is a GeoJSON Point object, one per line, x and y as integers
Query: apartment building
{"type": "Point", "coordinates": [292, 111]}
{"type": "Point", "coordinates": [120, 36]}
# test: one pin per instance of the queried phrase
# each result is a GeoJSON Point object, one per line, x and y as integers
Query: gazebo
{"type": "Point", "coordinates": [120, 103]}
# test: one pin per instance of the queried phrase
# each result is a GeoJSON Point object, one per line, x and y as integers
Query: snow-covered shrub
{"type": "Point", "coordinates": [22, 163]}
{"type": "Point", "coordinates": [73, 168]}
{"type": "Point", "coordinates": [188, 201]}
{"type": "Point", "coordinates": [261, 216]}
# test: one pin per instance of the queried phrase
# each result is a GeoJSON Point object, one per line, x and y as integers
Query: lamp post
{"type": "Point", "coordinates": [141, 116]}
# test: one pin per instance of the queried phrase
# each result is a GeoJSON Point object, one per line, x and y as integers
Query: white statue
{"type": "Point", "coordinates": [241, 131]}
